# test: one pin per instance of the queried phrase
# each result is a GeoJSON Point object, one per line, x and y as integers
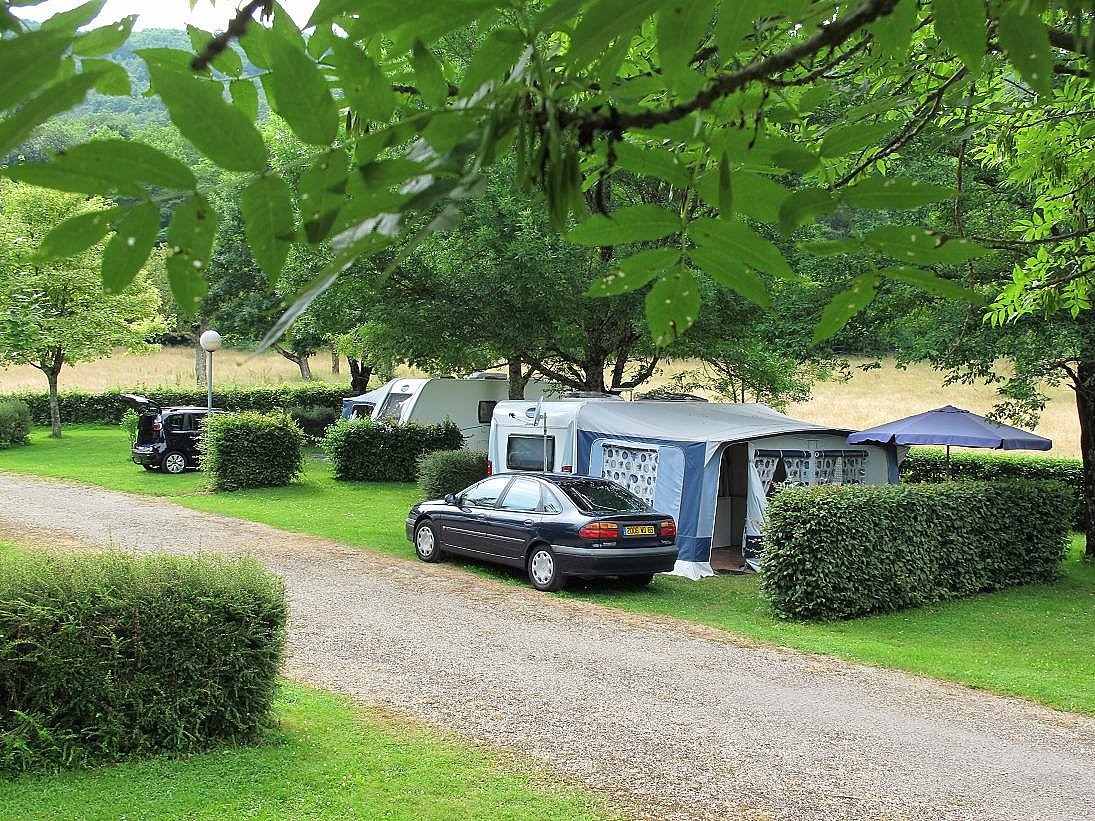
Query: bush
{"type": "Point", "coordinates": [108, 407]}
{"type": "Point", "coordinates": [14, 423]}
{"type": "Point", "coordinates": [251, 449]}
{"type": "Point", "coordinates": [365, 450]}
{"type": "Point", "coordinates": [107, 656]}
{"type": "Point", "coordinates": [930, 465]}
{"type": "Point", "coordinates": [130, 422]}
{"type": "Point", "coordinates": [450, 471]}
{"type": "Point", "coordinates": [315, 420]}
{"type": "Point", "coordinates": [836, 552]}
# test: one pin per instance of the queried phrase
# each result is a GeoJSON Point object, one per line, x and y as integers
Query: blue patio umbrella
{"type": "Point", "coordinates": [951, 426]}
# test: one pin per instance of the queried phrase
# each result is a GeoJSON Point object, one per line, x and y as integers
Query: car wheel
{"type": "Point", "coordinates": [174, 462]}
{"type": "Point", "coordinates": [426, 543]}
{"type": "Point", "coordinates": [637, 579]}
{"type": "Point", "coordinates": [543, 569]}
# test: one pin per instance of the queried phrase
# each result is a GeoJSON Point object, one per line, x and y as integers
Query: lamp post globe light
{"type": "Point", "coordinates": [210, 341]}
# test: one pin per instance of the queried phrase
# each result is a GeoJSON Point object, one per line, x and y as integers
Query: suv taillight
{"type": "Point", "coordinates": [667, 529]}
{"type": "Point", "coordinates": [600, 530]}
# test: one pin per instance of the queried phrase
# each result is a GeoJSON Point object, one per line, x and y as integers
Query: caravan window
{"type": "Point", "coordinates": [364, 411]}
{"type": "Point", "coordinates": [393, 405]}
{"type": "Point", "coordinates": [486, 411]}
{"type": "Point", "coordinates": [527, 452]}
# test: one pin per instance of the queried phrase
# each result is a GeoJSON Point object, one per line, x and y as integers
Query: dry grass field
{"type": "Point", "coordinates": [869, 399]}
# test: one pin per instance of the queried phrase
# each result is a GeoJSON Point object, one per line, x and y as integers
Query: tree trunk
{"type": "Point", "coordinates": [359, 376]}
{"type": "Point", "coordinates": [305, 368]}
{"type": "Point", "coordinates": [516, 379]}
{"type": "Point", "coordinates": [199, 356]}
{"type": "Point", "coordinates": [335, 361]}
{"type": "Point", "coordinates": [1085, 407]}
{"type": "Point", "coordinates": [54, 405]}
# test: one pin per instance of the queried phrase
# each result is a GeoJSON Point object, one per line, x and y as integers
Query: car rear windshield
{"type": "Point", "coordinates": [589, 495]}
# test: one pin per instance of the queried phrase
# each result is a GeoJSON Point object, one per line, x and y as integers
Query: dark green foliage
{"type": "Point", "coordinates": [930, 465]}
{"type": "Point", "coordinates": [14, 423]}
{"type": "Point", "coordinates": [838, 552]}
{"type": "Point", "coordinates": [364, 450]}
{"type": "Point", "coordinates": [107, 656]}
{"type": "Point", "coordinates": [108, 407]}
{"type": "Point", "coordinates": [251, 449]}
{"type": "Point", "coordinates": [314, 419]}
{"type": "Point", "coordinates": [130, 422]}
{"type": "Point", "coordinates": [450, 471]}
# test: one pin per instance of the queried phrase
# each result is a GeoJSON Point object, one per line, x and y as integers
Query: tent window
{"type": "Point", "coordinates": [363, 411]}
{"type": "Point", "coordinates": [393, 405]}
{"type": "Point", "coordinates": [486, 411]}
{"type": "Point", "coordinates": [527, 452]}
{"type": "Point", "coordinates": [840, 467]}
{"type": "Point", "coordinates": [634, 468]}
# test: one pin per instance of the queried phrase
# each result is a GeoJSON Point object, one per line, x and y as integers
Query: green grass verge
{"type": "Point", "coordinates": [1033, 642]}
{"type": "Point", "coordinates": [327, 759]}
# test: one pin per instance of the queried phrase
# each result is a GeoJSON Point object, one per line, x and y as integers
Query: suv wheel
{"type": "Point", "coordinates": [426, 544]}
{"type": "Point", "coordinates": [543, 569]}
{"type": "Point", "coordinates": [174, 462]}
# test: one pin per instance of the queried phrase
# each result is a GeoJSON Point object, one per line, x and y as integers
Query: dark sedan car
{"type": "Point", "coordinates": [552, 525]}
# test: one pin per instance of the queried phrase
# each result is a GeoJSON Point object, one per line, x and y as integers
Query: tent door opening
{"type": "Point", "coordinates": [730, 509]}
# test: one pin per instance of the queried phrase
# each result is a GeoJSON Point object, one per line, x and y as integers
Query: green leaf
{"type": "Point", "coordinates": [245, 97]}
{"type": "Point", "coordinates": [831, 247]}
{"type": "Point", "coordinates": [218, 129]}
{"type": "Point", "coordinates": [652, 162]}
{"type": "Point", "coordinates": [731, 274]}
{"type": "Point", "coordinates": [61, 176]}
{"type": "Point", "coordinates": [755, 195]}
{"type": "Point", "coordinates": [495, 57]}
{"type": "Point", "coordinates": [895, 193]}
{"type": "Point", "coordinates": [558, 13]}
{"type": "Point", "coordinates": [322, 193]}
{"type": "Point", "coordinates": [813, 97]}
{"type": "Point", "coordinates": [963, 28]}
{"type": "Point", "coordinates": [76, 234]}
{"type": "Point", "coordinates": [128, 249]}
{"type": "Point", "coordinates": [933, 284]}
{"type": "Point", "coordinates": [633, 272]}
{"type": "Point", "coordinates": [190, 243]}
{"type": "Point", "coordinates": [736, 22]}
{"type": "Point", "coordinates": [681, 24]}
{"type": "Point", "coordinates": [893, 32]}
{"type": "Point", "coordinates": [805, 205]}
{"type": "Point", "coordinates": [907, 243]}
{"type": "Point", "coordinates": [266, 206]}
{"type": "Point", "coordinates": [726, 188]}
{"type": "Point", "coordinates": [104, 39]}
{"type": "Point", "coordinates": [301, 94]}
{"type": "Point", "coordinates": [366, 87]}
{"type": "Point", "coordinates": [672, 305]}
{"type": "Point", "coordinates": [738, 241]}
{"type": "Point", "coordinates": [845, 305]}
{"type": "Point", "coordinates": [429, 76]}
{"type": "Point", "coordinates": [53, 100]}
{"type": "Point", "coordinates": [602, 23]}
{"type": "Point", "coordinates": [227, 62]}
{"type": "Point", "coordinates": [637, 223]}
{"type": "Point", "coordinates": [847, 139]}
{"type": "Point", "coordinates": [126, 162]}
{"type": "Point", "coordinates": [111, 79]}
{"type": "Point", "coordinates": [1024, 38]}
{"type": "Point", "coordinates": [27, 62]}
{"type": "Point", "coordinates": [74, 18]}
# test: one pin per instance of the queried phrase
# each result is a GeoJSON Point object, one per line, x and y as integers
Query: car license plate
{"type": "Point", "coordinates": [639, 530]}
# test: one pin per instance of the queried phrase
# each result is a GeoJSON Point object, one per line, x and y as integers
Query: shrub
{"type": "Point", "coordinates": [450, 471]}
{"type": "Point", "coordinates": [930, 465]}
{"type": "Point", "coordinates": [14, 423]}
{"type": "Point", "coordinates": [315, 420]}
{"type": "Point", "coordinates": [836, 552]}
{"type": "Point", "coordinates": [365, 450]}
{"type": "Point", "coordinates": [130, 422]}
{"type": "Point", "coordinates": [251, 449]}
{"type": "Point", "coordinates": [108, 407]}
{"type": "Point", "coordinates": [107, 656]}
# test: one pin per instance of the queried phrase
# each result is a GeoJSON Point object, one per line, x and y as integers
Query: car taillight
{"type": "Point", "coordinates": [490, 468]}
{"type": "Point", "coordinates": [157, 426]}
{"type": "Point", "coordinates": [566, 469]}
{"type": "Point", "coordinates": [667, 529]}
{"type": "Point", "coordinates": [600, 530]}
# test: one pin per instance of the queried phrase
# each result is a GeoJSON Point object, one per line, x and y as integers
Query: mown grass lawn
{"type": "Point", "coordinates": [1033, 642]}
{"type": "Point", "coordinates": [327, 758]}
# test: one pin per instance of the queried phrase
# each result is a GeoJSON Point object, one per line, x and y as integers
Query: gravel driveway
{"type": "Point", "coordinates": [677, 721]}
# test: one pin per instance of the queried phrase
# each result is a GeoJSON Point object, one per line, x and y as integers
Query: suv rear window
{"type": "Point", "coordinates": [590, 495]}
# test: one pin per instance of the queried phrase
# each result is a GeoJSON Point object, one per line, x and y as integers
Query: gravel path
{"type": "Point", "coordinates": [677, 721]}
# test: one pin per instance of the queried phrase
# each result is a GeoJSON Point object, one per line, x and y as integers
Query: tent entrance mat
{"type": "Point", "coordinates": [727, 560]}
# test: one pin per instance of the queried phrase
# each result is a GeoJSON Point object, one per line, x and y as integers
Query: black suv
{"type": "Point", "coordinates": [167, 438]}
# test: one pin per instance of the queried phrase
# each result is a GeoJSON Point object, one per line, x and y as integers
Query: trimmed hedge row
{"type": "Point", "coordinates": [369, 451]}
{"type": "Point", "coordinates": [107, 407]}
{"type": "Point", "coordinates": [250, 449]}
{"type": "Point", "coordinates": [930, 465]}
{"type": "Point", "coordinates": [107, 656]}
{"type": "Point", "coordinates": [14, 423]}
{"type": "Point", "coordinates": [450, 471]}
{"type": "Point", "coordinates": [838, 552]}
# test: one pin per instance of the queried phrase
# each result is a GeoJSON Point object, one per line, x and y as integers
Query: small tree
{"type": "Point", "coordinates": [58, 311]}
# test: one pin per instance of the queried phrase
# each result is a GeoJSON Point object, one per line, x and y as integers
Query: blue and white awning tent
{"type": "Point", "coordinates": [364, 401]}
{"type": "Point", "coordinates": [672, 454]}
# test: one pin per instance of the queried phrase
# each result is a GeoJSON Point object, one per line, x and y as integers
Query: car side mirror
{"type": "Point", "coordinates": [450, 499]}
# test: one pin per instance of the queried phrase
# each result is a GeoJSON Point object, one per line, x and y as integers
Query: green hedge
{"type": "Point", "coordinates": [450, 471]}
{"type": "Point", "coordinates": [250, 449]}
{"type": "Point", "coordinates": [107, 407]}
{"type": "Point", "coordinates": [837, 552]}
{"type": "Point", "coordinates": [930, 465]}
{"type": "Point", "coordinates": [107, 656]}
{"type": "Point", "coordinates": [14, 423]}
{"type": "Point", "coordinates": [369, 451]}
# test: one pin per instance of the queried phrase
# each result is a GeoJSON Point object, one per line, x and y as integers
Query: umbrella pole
{"type": "Point", "coordinates": [948, 462]}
